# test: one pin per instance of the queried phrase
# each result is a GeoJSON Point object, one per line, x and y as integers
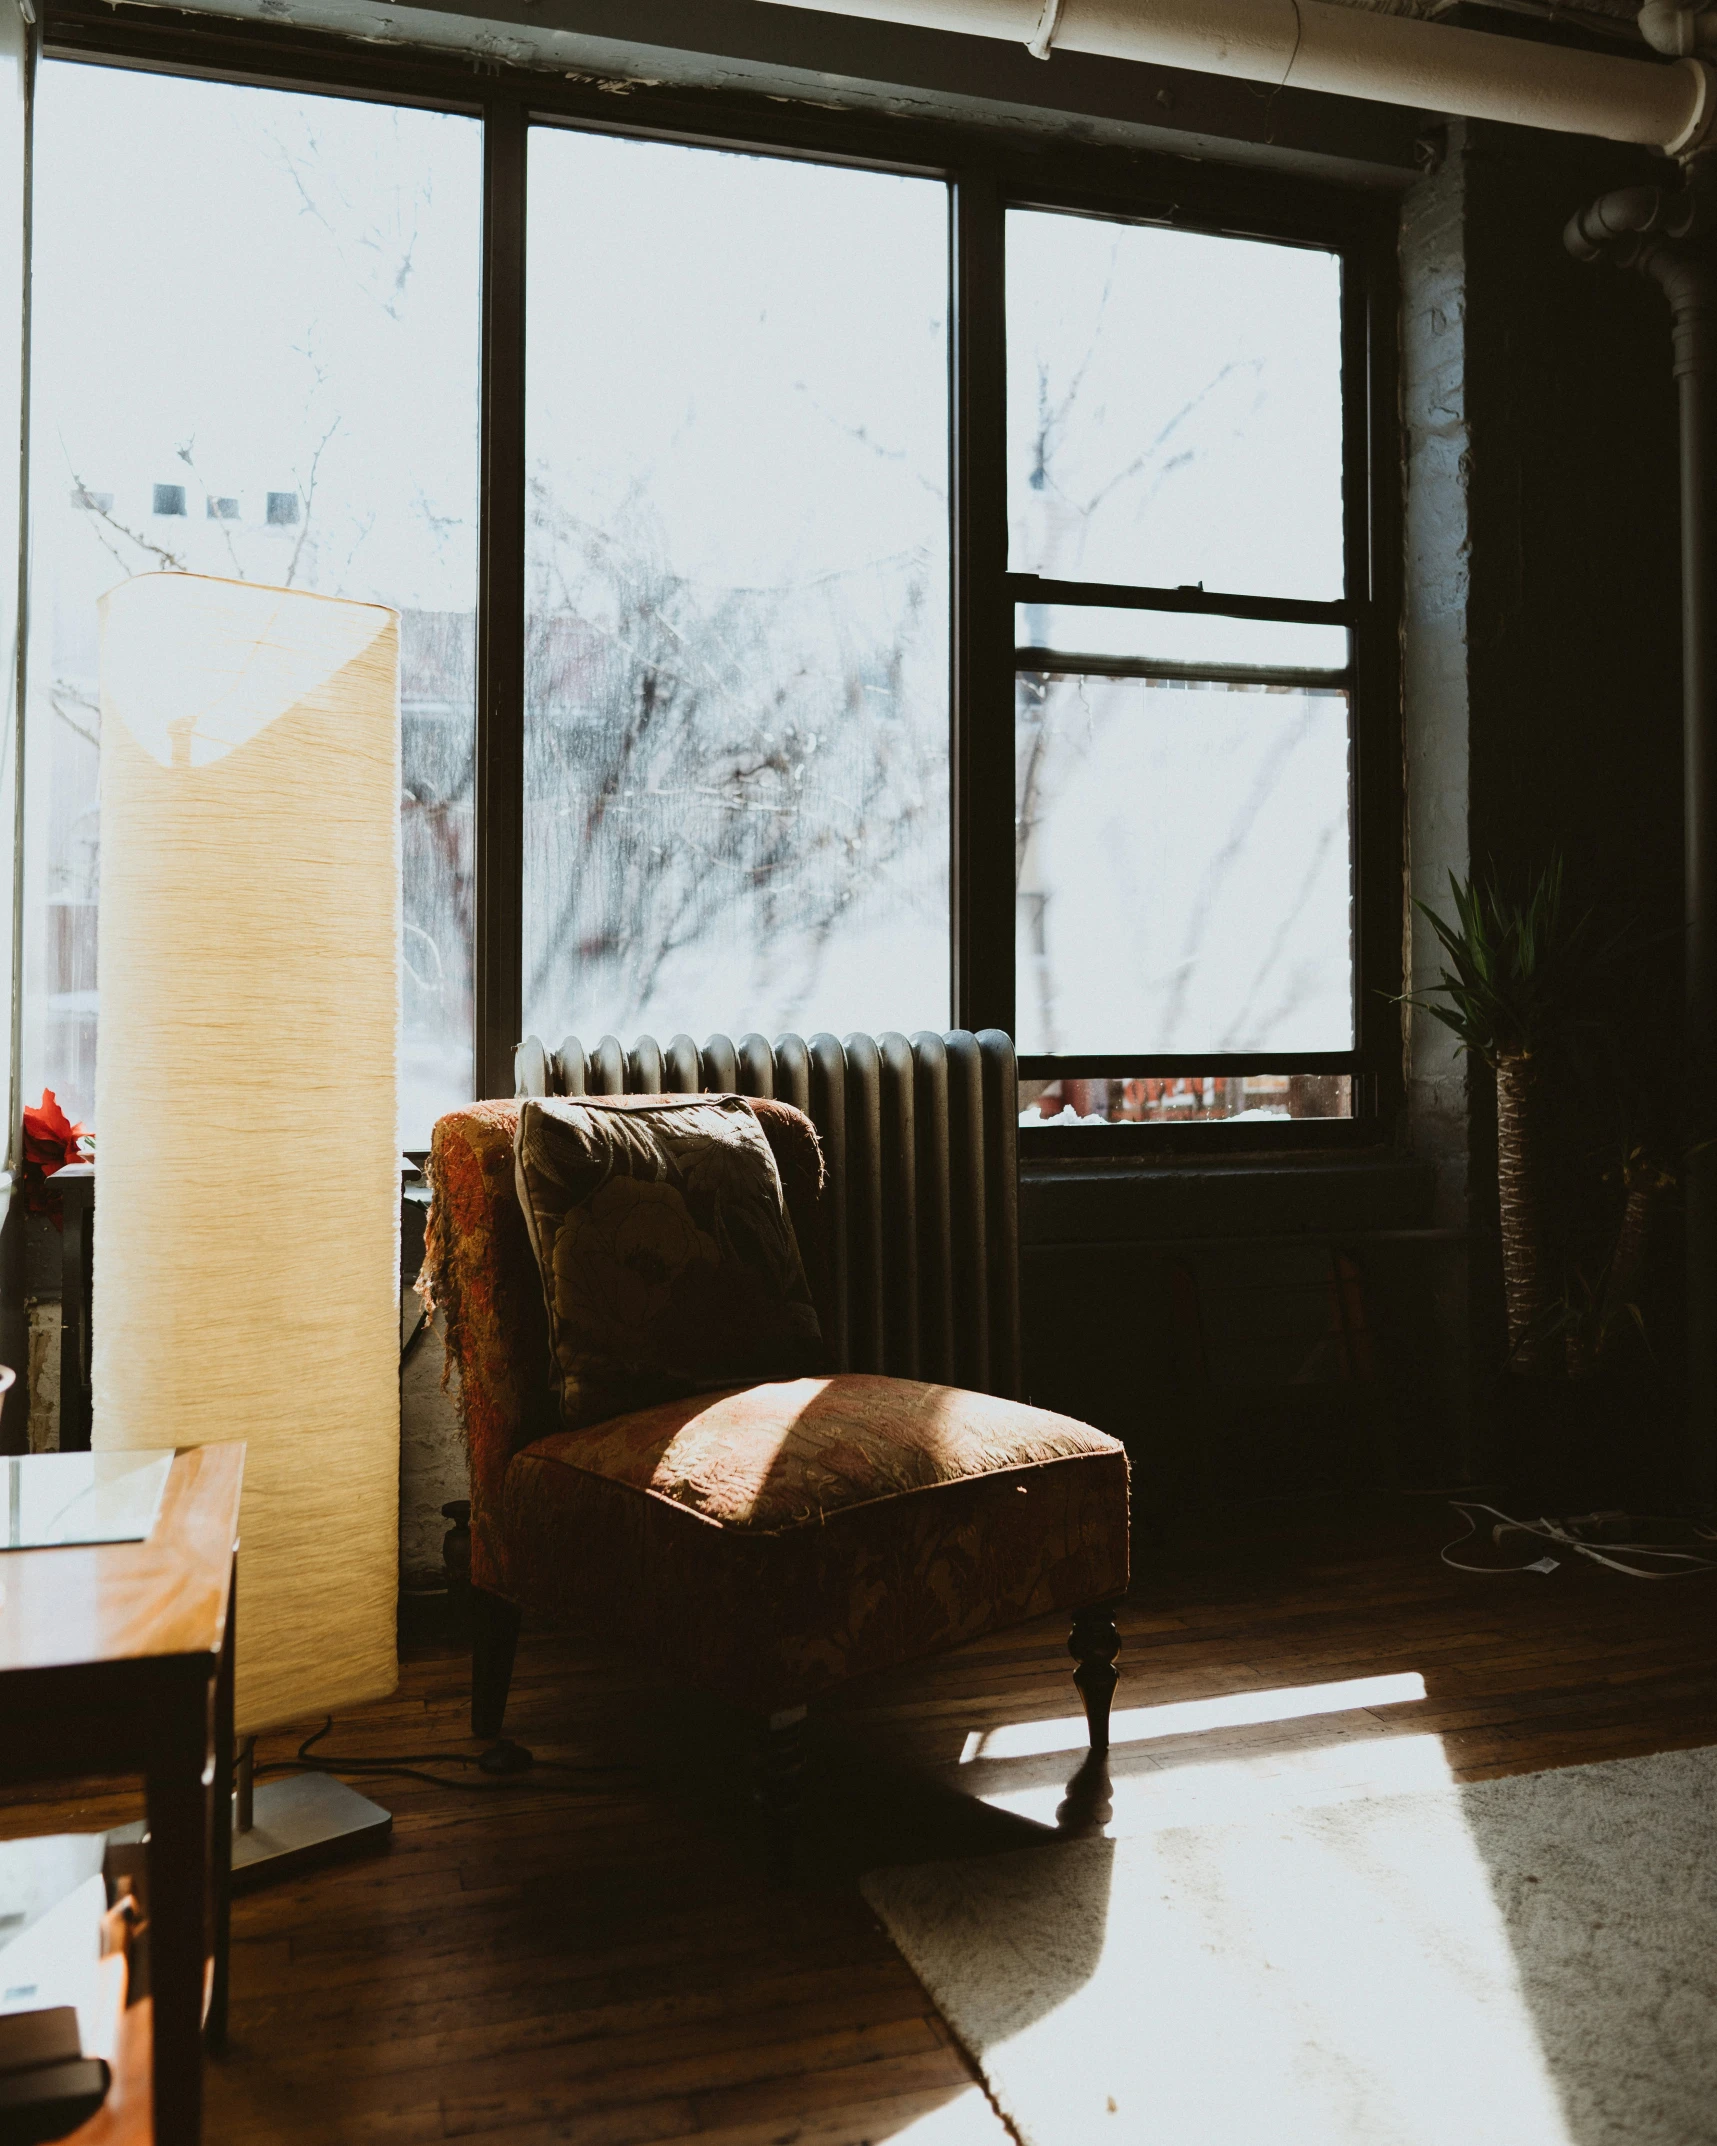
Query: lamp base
{"type": "Point", "coordinates": [305, 1819]}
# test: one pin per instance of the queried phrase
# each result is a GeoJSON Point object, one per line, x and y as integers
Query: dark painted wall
{"type": "Point", "coordinates": [1575, 609]}
{"type": "Point", "coordinates": [1248, 1329]}
{"type": "Point", "coordinates": [1574, 653]}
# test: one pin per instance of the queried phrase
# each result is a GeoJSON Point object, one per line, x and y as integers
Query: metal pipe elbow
{"type": "Point", "coordinates": [1630, 212]}
{"type": "Point", "coordinates": [1678, 27]}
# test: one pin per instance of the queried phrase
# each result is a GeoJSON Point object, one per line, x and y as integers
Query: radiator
{"type": "Point", "coordinates": [921, 1140]}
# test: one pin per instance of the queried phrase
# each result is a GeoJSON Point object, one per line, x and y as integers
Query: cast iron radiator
{"type": "Point", "coordinates": [921, 1141]}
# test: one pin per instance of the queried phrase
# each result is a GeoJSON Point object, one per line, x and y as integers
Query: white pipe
{"type": "Point", "coordinates": [1350, 52]}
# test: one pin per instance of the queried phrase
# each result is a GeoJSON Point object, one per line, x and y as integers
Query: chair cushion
{"type": "Point", "coordinates": [668, 1257]}
{"type": "Point", "coordinates": [791, 1454]}
{"type": "Point", "coordinates": [775, 1541]}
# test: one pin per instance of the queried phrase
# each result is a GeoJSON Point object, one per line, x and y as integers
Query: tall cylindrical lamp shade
{"type": "Point", "coordinates": [247, 1212]}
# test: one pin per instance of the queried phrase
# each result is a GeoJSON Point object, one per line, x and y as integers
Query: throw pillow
{"type": "Point", "coordinates": [667, 1253]}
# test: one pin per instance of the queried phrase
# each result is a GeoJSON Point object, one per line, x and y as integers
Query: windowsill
{"type": "Point", "coordinates": [1114, 1198]}
{"type": "Point", "coordinates": [1161, 1142]}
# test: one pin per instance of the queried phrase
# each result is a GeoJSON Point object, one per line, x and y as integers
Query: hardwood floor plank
{"type": "Point", "coordinates": [582, 2042]}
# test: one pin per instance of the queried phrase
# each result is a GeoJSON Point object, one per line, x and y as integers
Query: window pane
{"type": "Point", "coordinates": [1183, 873]}
{"type": "Point", "coordinates": [1179, 637]}
{"type": "Point", "coordinates": [1231, 1098]}
{"type": "Point", "coordinates": [255, 354]}
{"type": "Point", "coordinates": [1174, 408]}
{"type": "Point", "coordinates": [736, 803]}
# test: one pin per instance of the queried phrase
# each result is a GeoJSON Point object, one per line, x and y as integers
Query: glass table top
{"type": "Point", "coordinates": [57, 1499]}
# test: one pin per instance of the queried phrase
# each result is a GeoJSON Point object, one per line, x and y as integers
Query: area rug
{"type": "Point", "coordinates": [1524, 1962]}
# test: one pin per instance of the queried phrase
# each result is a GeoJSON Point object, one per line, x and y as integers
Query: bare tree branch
{"type": "Point", "coordinates": [105, 517]}
{"type": "Point", "coordinates": [59, 695]}
{"type": "Point", "coordinates": [187, 455]}
{"type": "Point", "coordinates": [307, 493]}
{"type": "Point", "coordinates": [740, 764]}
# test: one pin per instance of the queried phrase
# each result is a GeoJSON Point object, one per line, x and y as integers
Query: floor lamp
{"type": "Point", "coordinates": [246, 1237]}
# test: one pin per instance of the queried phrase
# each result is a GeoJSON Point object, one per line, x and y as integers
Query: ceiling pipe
{"type": "Point", "coordinates": [1350, 52]}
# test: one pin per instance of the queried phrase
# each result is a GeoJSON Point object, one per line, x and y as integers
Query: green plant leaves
{"type": "Point", "coordinates": [1518, 971]}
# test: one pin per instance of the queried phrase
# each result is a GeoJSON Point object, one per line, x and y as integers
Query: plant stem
{"type": "Point", "coordinates": [1520, 1192]}
{"type": "Point", "coordinates": [1621, 1291]}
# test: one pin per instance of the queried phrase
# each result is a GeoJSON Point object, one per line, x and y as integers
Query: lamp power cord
{"type": "Point", "coordinates": [1599, 1537]}
{"type": "Point", "coordinates": [503, 1765]}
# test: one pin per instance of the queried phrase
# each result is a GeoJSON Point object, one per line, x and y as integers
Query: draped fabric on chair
{"type": "Point", "coordinates": [920, 1139]}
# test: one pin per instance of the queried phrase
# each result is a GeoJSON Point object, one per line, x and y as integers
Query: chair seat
{"type": "Point", "coordinates": [776, 1540]}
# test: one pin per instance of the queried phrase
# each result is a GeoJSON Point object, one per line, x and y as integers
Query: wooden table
{"type": "Point", "coordinates": [118, 1657]}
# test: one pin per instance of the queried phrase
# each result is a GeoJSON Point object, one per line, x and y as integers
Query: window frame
{"type": "Point", "coordinates": [987, 171]}
{"type": "Point", "coordinates": [1369, 609]}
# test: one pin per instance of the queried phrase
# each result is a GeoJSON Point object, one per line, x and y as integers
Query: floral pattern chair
{"type": "Point", "coordinates": [774, 1540]}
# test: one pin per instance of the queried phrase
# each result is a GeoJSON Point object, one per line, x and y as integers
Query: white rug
{"type": "Point", "coordinates": [1526, 1962]}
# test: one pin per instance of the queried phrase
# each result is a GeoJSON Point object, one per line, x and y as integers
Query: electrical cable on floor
{"type": "Point", "coordinates": [502, 1764]}
{"type": "Point", "coordinates": [1674, 1564]}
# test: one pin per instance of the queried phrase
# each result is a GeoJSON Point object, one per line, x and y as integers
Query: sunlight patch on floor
{"type": "Point", "coordinates": [1302, 1947]}
{"type": "Point", "coordinates": [1142, 1724]}
{"type": "Point", "coordinates": [1272, 1775]}
{"type": "Point", "coordinates": [1339, 1977]}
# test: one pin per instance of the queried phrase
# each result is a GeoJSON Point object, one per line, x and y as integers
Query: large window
{"type": "Point", "coordinates": [852, 576]}
{"type": "Point", "coordinates": [255, 354]}
{"type": "Point", "coordinates": [736, 774]}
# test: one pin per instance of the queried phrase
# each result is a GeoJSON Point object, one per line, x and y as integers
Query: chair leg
{"type": "Point", "coordinates": [1094, 1644]}
{"type": "Point", "coordinates": [494, 1635]}
{"type": "Point", "coordinates": [780, 1789]}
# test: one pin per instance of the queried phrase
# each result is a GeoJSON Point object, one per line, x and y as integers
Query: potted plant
{"type": "Point", "coordinates": [1516, 977]}
{"type": "Point", "coordinates": [1577, 1205]}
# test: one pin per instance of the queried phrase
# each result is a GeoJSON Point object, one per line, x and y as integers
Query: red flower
{"type": "Point", "coordinates": [50, 1142]}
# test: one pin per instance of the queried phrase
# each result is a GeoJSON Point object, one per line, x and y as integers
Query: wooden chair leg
{"type": "Point", "coordinates": [494, 1635]}
{"type": "Point", "coordinates": [1094, 1644]}
{"type": "Point", "coordinates": [780, 1789]}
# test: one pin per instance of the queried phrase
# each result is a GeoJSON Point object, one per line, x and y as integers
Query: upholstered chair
{"type": "Point", "coordinates": [773, 1541]}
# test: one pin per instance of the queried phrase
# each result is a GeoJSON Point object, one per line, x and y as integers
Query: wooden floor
{"type": "Point", "coordinates": [594, 1956]}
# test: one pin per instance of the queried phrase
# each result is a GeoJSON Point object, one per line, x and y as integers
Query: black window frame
{"type": "Point", "coordinates": [987, 171]}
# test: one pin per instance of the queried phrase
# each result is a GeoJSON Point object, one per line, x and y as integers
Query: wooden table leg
{"type": "Point", "coordinates": [180, 1783]}
{"type": "Point", "coordinates": [222, 1843]}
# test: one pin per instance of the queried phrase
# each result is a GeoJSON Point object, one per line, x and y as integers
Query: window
{"type": "Point", "coordinates": [285, 287]}
{"type": "Point", "coordinates": [1183, 825]}
{"type": "Point", "coordinates": [736, 775]}
{"type": "Point", "coordinates": [880, 579]}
